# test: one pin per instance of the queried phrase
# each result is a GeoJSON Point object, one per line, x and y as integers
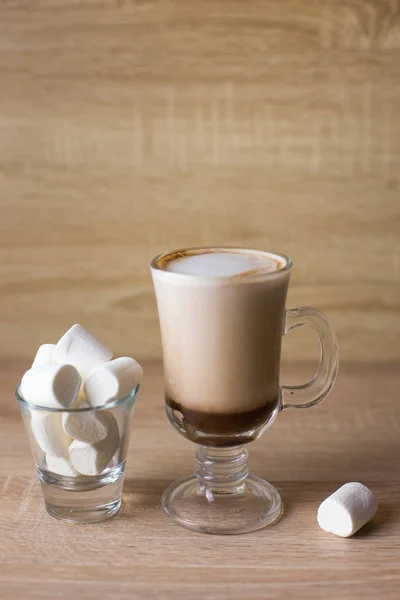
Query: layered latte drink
{"type": "Point", "coordinates": [221, 316]}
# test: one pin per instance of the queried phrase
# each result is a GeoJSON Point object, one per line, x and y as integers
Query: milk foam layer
{"type": "Point", "coordinates": [224, 264]}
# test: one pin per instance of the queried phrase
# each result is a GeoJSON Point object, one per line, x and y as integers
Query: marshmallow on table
{"type": "Point", "coordinates": [81, 349]}
{"type": "Point", "coordinates": [112, 381]}
{"type": "Point", "coordinates": [48, 431]}
{"type": "Point", "coordinates": [51, 386]}
{"type": "Point", "coordinates": [92, 459]}
{"type": "Point", "coordinates": [61, 466]}
{"type": "Point", "coordinates": [88, 426]}
{"type": "Point", "coordinates": [347, 510]}
{"type": "Point", "coordinates": [44, 356]}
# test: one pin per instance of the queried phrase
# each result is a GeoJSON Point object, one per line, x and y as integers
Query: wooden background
{"type": "Point", "coordinates": [131, 127]}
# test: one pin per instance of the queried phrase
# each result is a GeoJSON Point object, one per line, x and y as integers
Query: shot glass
{"type": "Point", "coordinates": [69, 495]}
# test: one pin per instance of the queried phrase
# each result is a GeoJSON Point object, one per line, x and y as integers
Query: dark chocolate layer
{"type": "Point", "coordinates": [223, 424]}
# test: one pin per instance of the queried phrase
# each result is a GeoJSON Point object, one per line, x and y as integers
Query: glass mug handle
{"type": "Point", "coordinates": [308, 394]}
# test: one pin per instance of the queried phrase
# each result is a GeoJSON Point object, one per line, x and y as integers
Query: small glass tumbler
{"type": "Point", "coordinates": [68, 494]}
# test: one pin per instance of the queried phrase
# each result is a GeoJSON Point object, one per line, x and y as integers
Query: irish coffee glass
{"type": "Point", "coordinates": [221, 497]}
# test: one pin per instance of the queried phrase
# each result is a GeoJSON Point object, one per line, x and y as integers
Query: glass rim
{"type": "Point", "coordinates": [156, 266]}
{"type": "Point", "coordinates": [132, 396]}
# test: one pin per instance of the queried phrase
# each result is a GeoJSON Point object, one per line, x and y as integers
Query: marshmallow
{"type": "Point", "coordinates": [88, 426]}
{"type": "Point", "coordinates": [49, 433]}
{"type": "Point", "coordinates": [112, 381]}
{"type": "Point", "coordinates": [92, 459]}
{"type": "Point", "coordinates": [347, 510]}
{"type": "Point", "coordinates": [81, 349]}
{"type": "Point", "coordinates": [51, 386]}
{"type": "Point", "coordinates": [60, 466]}
{"type": "Point", "coordinates": [44, 356]}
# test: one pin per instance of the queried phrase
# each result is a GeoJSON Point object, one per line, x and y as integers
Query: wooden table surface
{"type": "Point", "coordinates": [352, 436]}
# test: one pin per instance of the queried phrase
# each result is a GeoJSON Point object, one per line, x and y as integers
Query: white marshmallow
{"type": "Point", "coordinates": [112, 381]}
{"type": "Point", "coordinates": [88, 426]}
{"type": "Point", "coordinates": [49, 433]}
{"type": "Point", "coordinates": [44, 356]}
{"type": "Point", "coordinates": [61, 466]}
{"type": "Point", "coordinates": [347, 510]}
{"type": "Point", "coordinates": [81, 349]}
{"type": "Point", "coordinates": [92, 459]}
{"type": "Point", "coordinates": [51, 386]}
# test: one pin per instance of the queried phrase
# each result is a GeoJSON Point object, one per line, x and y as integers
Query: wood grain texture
{"type": "Point", "coordinates": [129, 128]}
{"type": "Point", "coordinates": [353, 435]}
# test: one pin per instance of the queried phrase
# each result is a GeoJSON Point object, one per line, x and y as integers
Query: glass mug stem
{"type": "Point", "coordinates": [221, 470]}
{"type": "Point", "coordinates": [309, 394]}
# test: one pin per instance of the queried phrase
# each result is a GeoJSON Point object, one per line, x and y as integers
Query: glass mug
{"type": "Point", "coordinates": [221, 337]}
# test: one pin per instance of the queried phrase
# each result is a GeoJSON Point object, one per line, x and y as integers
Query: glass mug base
{"type": "Point", "coordinates": [222, 498]}
{"type": "Point", "coordinates": [256, 505]}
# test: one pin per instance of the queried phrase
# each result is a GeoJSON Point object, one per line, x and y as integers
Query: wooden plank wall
{"type": "Point", "coordinates": [132, 127]}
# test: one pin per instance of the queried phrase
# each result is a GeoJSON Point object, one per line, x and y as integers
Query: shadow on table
{"type": "Point", "coordinates": [388, 514]}
{"type": "Point", "coordinates": [137, 485]}
{"type": "Point", "coordinates": [142, 497]}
